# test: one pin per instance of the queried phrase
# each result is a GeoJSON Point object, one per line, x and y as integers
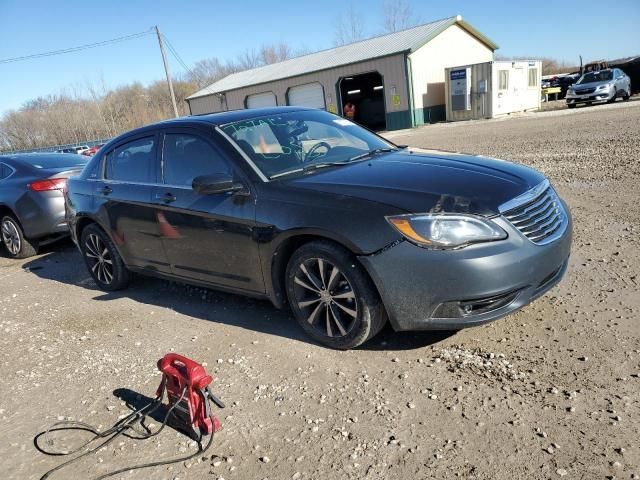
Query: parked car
{"type": "Point", "coordinates": [32, 209]}
{"type": "Point", "coordinates": [562, 81]}
{"type": "Point", "coordinates": [67, 150]}
{"type": "Point", "coordinates": [301, 206]}
{"type": "Point", "coordinates": [81, 149]}
{"type": "Point", "coordinates": [91, 151]}
{"type": "Point", "coordinates": [600, 86]}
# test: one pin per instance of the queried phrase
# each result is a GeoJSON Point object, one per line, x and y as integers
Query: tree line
{"type": "Point", "coordinates": [98, 112]}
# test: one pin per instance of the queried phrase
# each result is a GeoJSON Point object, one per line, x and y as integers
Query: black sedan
{"type": "Point", "coordinates": [308, 209]}
{"type": "Point", "coordinates": [31, 202]}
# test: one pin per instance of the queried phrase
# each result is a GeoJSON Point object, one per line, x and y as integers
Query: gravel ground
{"type": "Point", "coordinates": [551, 391]}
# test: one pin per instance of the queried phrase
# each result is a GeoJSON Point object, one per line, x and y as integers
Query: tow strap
{"type": "Point", "coordinates": [189, 399]}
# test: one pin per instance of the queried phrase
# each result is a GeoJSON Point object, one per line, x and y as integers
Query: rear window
{"type": "Point", "coordinates": [54, 161]}
{"type": "Point", "coordinates": [132, 162]}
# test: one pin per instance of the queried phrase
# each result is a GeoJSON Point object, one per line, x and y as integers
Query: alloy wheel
{"type": "Point", "coordinates": [325, 297]}
{"type": "Point", "coordinates": [99, 258]}
{"type": "Point", "coordinates": [11, 237]}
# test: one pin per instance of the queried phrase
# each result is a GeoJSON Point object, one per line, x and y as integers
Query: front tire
{"type": "Point", "coordinates": [332, 297]}
{"type": "Point", "coordinates": [615, 95]}
{"type": "Point", "coordinates": [102, 259]}
{"type": "Point", "coordinates": [14, 240]}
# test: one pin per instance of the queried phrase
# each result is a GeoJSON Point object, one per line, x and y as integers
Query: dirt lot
{"type": "Point", "coordinates": [552, 391]}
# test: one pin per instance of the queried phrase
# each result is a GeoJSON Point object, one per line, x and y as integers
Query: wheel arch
{"type": "Point", "coordinates": [83, 221]}
{"type": "Point", "coordinates": [282, 253]}
{"type": "Point", "coordinates": [6, 210]}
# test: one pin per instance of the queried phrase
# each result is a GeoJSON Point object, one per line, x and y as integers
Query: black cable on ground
{"type": "Point", "coordinates": [164, 462]}
{"type": "Point", "coordinates": [116, 430]}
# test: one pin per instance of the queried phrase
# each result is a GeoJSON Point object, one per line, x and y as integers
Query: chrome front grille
{"type": "Point", "coordinates": [542, 218]}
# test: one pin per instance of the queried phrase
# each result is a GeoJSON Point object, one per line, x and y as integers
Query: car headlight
{"type": "Point", "coordinates": [604, 87]}
{"type": "Point", "coordinates": [442, 231]}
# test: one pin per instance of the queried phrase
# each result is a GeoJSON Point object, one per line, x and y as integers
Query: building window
{"type": "Point", "coordinates": [503, 79]}
{"type": "Point", "coordinates": [533, 77]}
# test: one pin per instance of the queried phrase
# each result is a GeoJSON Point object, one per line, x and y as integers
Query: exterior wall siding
{"type": "Point", "coordinates": [454, 46]}
{"type": "Point", "coordinates": [392, 69]}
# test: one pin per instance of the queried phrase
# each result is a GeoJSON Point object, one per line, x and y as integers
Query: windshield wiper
{"type": "Point", "coordinates": [309, 168]}
{"type": "Point", "coordinates": [372, 152]}
{"type": "Point", "coordinates": [315, 166]}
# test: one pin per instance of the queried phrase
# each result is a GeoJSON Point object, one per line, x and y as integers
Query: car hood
{"type": "Point", "coordinates": [420, 181]}
{"type": "Point", "coordinates": [591, 84]}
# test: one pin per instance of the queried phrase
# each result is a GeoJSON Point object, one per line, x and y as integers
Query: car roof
{"type": "Point", "coordinates": [600, 71]}
{"type": "Point", "coordinates": [212, 119]}
{"type": "Point", "coordinates": [245, 114]}
{"type": "Point", "coordinates": [216, 119]}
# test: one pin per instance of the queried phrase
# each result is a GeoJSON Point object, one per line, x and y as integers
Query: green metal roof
{"type": "Point", "coordinates": [404, 41]}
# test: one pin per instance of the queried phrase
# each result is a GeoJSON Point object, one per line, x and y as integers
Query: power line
{"type": "Point", "coordinates": [177, 56]}
{"type": "Point", "coordinates": [78, 48]}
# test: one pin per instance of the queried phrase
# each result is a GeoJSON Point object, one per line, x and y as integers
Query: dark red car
{"type": "Point", "coordinates": [92, 150]}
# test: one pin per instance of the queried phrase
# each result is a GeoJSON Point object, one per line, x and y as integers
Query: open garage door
{"type": "Point", "coordinates": [308, 95]}
{"type": "Point", "coordinates": [261, 100]}
{"type": "Point", "coordinates": [366, 93]}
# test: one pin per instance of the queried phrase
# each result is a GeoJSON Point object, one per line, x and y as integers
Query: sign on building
{"type": "Point", "coordinates": [460, 89]}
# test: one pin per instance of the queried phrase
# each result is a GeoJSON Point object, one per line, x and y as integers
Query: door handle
{"type": "Point", "coordinates": [166, 197]}
{"type": "Point", "coordinates": [106, 190]}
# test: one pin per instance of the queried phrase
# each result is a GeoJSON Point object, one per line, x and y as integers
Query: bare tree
{"type": "Point", "coordinates": [249, 59]}
{"type": "Point", "coordinates": [275, 53]}
{"type": "Point", "coordinates": [348, 28]}
{"type": "Point", "coordinates": [397, 15]}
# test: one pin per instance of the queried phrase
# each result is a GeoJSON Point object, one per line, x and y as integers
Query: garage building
{"type": "Point", "coordinates": [395, 80]}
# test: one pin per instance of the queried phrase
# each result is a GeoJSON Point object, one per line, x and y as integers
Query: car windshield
{"type": "Point", "coordinates": [53, 161]}
{"type": "Point", "coordinates": [289, 142]}
{"type": "Point", "coordinates": [591, 77]}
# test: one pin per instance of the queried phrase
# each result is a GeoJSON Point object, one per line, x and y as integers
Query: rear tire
{"type": "Point", "coordinates": [626, 97]}
{"type": "Point", "coordinates": [14, 240]}
{"type": "Point", "coordinates": [571, 105]}
{"type": "Point", "coordinates": [332, 297]}
{"type": "Point", "coordinates": [103, 260]}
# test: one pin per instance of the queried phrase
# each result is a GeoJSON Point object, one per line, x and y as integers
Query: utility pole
{"type": "Point", "coordinates": [166, 70]}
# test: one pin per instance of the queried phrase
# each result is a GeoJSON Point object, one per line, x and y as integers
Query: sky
{"type": "Point", "coordinates": [224, 29]}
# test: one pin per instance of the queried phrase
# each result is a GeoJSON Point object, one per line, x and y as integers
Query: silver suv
{"type": "Point", "coordinates": [601, 86]}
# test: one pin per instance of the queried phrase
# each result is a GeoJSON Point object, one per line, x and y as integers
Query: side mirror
{"type": "Point", "coordinates": [216, 183]}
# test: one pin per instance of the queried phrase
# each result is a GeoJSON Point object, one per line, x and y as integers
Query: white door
{"type": "Point", "coordinates": [260, 100]}
{"type": "Point", "coordinates": [308, 95]}
{"type": "Point", "coordinates": [502, 89]}
{"type": "Point", "coordinates": [518, 88]}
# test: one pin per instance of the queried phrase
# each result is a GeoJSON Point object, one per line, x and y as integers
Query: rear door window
{"type": "Point", "coordinates": [187, 156]}
{"type": "Point", "coordinates": [133, 162]}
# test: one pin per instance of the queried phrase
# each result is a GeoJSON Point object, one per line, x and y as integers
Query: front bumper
{"type": "Point", "coordinates": [598, 96]}
{"type": "Point", "coordinates": [415, 283]}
